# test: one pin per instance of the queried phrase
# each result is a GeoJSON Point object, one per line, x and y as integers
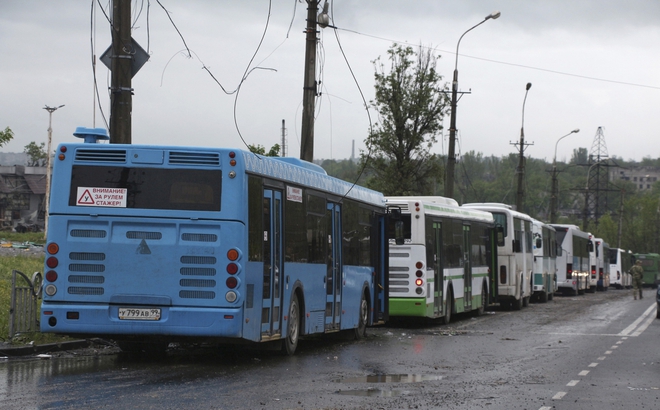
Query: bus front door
{"type": "Point", "coordinates": [467, 269]}
{"type": "Point", "coordinates": [272, 275]}
{"type": "Point", "coordinates": [333, 281]}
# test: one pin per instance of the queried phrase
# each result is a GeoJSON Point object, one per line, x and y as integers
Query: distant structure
{"type": "Point", "coordinates": [595, 194]}
{"type": "Point", "coordinates": [642, 177]}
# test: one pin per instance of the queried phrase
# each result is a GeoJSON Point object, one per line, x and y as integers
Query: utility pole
{"type": "Point", "coordinates": [521, 162]}
{"type": "Point", "coordinates": [121, 92]}
{"type": "Point", "coordinates": [283, 150]}
{"type": "Point", "coordinates": [309, 86]}
{"type": "Point", "coordinates": [50, 110]}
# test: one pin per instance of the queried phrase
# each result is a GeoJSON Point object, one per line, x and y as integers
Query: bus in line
{"type": "Point", "coordinates": [445, 263]}
{"type": "Point", "coordinates": [621, 261]}
{"type": "Point", "coordinates": [149, 245]}
{"type": "Point", "coordinates": [603, 253]}
{"type": "Point", "coordinates": [592, 276]}
{"type": "Point", "coordinates": [651, 265]}
{"type": "Point", "coordinates": [514, 254]}
{"type": "Point", "coordinates": [544, 243]}
{"type": "Point", "coordinates": [573, 259]}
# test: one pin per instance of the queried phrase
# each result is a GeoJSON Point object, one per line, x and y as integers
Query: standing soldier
{"type": "Point", "coordinates": [637, 273]}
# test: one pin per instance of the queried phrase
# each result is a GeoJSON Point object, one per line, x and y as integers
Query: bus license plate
{"type": "Point", "coordinates": [126, 313]}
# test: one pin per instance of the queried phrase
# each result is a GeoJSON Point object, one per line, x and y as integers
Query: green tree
{"type": "Point", "coordinates": [411, 102]}
{"type": "Point", "coordinates": [6, 136]}
{"type": "Point", "coordinates": [37, 156]}
{"type": "Point", "coordinates": [261, 150]}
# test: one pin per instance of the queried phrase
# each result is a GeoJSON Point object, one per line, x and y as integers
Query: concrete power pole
{"type": "Point", "coordinates": [309, 86]}
{"type": "Point", "coordinates": [521, 163]}
{"type": "Point", "coordinates": [283, 150]}
{"type": "Point", "coordinates": [121, 98]}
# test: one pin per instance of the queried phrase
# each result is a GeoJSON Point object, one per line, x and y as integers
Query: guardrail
{"type": "Point", "coordinates": [23, 311]}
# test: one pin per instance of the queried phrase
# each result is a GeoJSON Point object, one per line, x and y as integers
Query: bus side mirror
{"type": "Point", "coordinates": [539, 243]}
{"type": "Point", "coordinates": [398, 232]}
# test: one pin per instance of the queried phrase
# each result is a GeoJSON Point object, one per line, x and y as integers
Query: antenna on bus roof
{"type": "Point", "coordinates": [91, 135]}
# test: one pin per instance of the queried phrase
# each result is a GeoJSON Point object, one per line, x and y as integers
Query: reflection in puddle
{"type": "Point", "coordinates": [391, 378]}
{"type": "Point", "coordinates": [373, 393]}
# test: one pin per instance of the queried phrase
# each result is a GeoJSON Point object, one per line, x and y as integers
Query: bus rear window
{"type": "Point", "coordinates": [151, 188]}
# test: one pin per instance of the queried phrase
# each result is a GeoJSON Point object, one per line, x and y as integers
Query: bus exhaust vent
{"type": "Point", "coordinates": [198, 271]}
{"type": "Point", "coordinates": [87, 233]}
{"type": "Point", "coordinates": [194, 158]}
{"type": "Point", "coordinates": [198, 260]}
{"type": "Point", "coordinates": [100, 155]}
{"type": "Point", "coordinates": [197, 283]}
{"type": "Point", "coordinates": [86, 279]}
{"type": "Point", "coordinates": [86, 267]}
{"type": "Point", "coordinates": [196, 294]}
{"type": "Point", "coordinates": [199, 237]}
{"type": "Point", "coordinates": [78, 290]}
{"type": "Point", "coordinates": [144, 235]}
{"type": "Point", "coordinates": [86, 256]}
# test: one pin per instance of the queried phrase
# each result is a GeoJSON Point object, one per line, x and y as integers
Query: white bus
{"type": "Point", "coordinates": [592, 277]}
{"type": "Point", "coordinates": [441, 259]}
{"type": "Point", "coordinates": [545, 257]}
{"type": "Point", "coordinates": [514, 254]}
{"type": "Point", "coordinates": [572, 259]}
{"type": "Point", "coordinates": [621, 261]}
{"type": "Point", "coordinates": [603, 264]}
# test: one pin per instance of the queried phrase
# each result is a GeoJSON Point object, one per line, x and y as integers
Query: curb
{"type": "Point", "coordinates": [38, 349]}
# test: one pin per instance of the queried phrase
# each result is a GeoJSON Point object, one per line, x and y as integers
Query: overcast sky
{"type": "Point", "coordinates": [592, 63]}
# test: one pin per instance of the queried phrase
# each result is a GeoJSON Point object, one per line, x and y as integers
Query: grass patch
{"type": "Point", "coordinates": [27, 265]}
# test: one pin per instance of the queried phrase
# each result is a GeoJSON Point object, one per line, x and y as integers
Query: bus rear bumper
{"type": "Point", "coordinates": [408, 307]}
{"type": "Point", "coordinates": [174, 321]}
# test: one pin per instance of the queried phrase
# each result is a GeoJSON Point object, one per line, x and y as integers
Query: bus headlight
{"type": "Point", "coordinates": [50, 290]}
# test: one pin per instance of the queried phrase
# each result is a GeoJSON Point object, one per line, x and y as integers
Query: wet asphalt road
{"type": "Point", "coordinates": [596, 351]}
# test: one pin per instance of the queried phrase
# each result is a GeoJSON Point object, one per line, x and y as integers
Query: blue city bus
{"type": "Point", "coordinates": [149, 245]}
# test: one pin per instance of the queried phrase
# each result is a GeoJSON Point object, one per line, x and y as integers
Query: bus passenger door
{"type": "Point", "coordinates": [467, 268]}
{"type": "Point", "coordinates": [333, 282]}
{"type": "Point", "coordinates": [272, 275]}
{"type": "Point", "coordinates": [439, 277]}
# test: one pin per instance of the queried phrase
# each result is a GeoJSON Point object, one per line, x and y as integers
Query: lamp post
{"type": "Point", "coordinates": [555, 187]}
{"type": "Point", "coordinates": [50, 110]}
{"type": "Point", "coordinates": [451, 158]}
{"type": "Point", "coordinates": [521, 161]}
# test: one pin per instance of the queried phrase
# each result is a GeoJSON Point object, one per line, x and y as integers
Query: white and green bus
{"type": "Point", "coordinates": [442, 260]}
{"type": "Point", "coordinates": [544, 281]}
{"type": "Point", "coordinates": [515, 257]}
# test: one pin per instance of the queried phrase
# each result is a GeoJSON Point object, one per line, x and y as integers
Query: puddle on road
{"type": "Point", "coordinates": [384, 378]}
{"type": "Point", "coordinates": [373, 393]}
{"type": "Point", "coordinates": [391, 378]}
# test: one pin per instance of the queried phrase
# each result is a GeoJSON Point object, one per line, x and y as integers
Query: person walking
{"type": "Point", "coordinates": [637, 273]}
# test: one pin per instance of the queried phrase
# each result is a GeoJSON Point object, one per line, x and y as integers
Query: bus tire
{"type": "Point", "coordinates": [290, 342]}
{"type": "Point", "coordinates": [657, 311]}
{"type": "Point", "coordinates": [363, 314]}
{"type": "Point", "coordinates": [449, 305]}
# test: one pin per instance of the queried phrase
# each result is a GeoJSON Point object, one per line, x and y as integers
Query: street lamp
{"type": "Point", "coordinates": [521, 161]}
{"type": "Point", "coordinates": [555, 188]}
{"type": "Point", "coordinates": [50, 110]}
{"type": "Point", "coordinates": [451, 158]}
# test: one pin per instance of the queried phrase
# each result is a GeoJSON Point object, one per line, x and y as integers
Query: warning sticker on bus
{"type": "Point", "coordinates": [111, 197]}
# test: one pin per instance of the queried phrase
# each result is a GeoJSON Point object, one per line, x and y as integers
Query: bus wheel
{"type": "Point", "coordinates": [361, 330]}
{"type": "Point", "coordinates": [449, 304]}
{"type": "Point", "coordinates": [657, 311]}
{"type": "Point", "coordinates": [290, 342]}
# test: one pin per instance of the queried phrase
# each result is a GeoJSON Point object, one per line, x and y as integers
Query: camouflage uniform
{"type": "Point", "coordinates": [637, 273]}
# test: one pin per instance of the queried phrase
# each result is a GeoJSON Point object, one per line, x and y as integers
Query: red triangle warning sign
{"type": "Point", "coordinates": [86, 198]}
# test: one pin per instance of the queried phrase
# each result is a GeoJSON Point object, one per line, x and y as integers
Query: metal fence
{"type": "Point", "coordinates": [23, 311]}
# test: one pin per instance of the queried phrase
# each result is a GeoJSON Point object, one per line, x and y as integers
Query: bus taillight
{"type": "Point", "coordinates": [232, 268]}
{"type": "Point", "coordinates": [419, 282]}
{"type": "Point", "coordinates": [600, 273]}
{"type": "Point", "coordinates": [503, 274]}
{"type": "Point", "coordinates": [52, 262]}
{"type": "Point", "coordinates": [419, 265]}
{"type": "Point", "coordinates": [569, 270]}
{"type": "Point", "coordinates": [51, 276]}
{"type": "Point", "coordinates": [232, 282]}
{"type": "Point", "coordinates": [53, 248]}
{"type": "Point", "coordinates": [593, 272]}
{"type": "Point", "coordinates": [232, 254]}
